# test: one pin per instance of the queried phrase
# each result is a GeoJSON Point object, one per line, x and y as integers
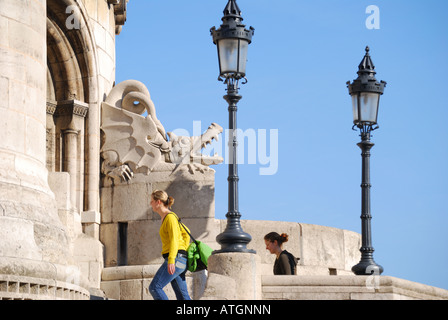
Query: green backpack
{"type": "Point", "coordinates": [197, 253]}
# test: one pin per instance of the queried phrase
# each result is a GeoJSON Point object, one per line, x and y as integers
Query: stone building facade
{"type": "Point", "coordinates": [57, 62]}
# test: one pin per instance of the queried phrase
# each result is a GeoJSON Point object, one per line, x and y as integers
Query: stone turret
{"type": "Point", "coordinates": [57, 61]}
{"type": "Point", "coordinates": [35, 259]}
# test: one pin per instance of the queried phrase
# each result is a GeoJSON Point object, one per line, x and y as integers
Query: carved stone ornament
{"type": "Point", "coordinates": [120, 13]}
{"type": "Point", "coordinates": [133, 143]}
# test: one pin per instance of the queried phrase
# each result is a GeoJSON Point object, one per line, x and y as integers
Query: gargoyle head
{"type": "Point", "coordinates": [188, 149]}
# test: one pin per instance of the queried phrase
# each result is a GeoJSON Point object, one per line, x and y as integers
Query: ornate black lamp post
{"type": "Point", "coordinates": [232, 40]}
{"type": "Point", "coordinates": [366, 92]}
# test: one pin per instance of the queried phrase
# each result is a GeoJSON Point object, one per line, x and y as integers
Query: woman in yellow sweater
{"type": "Point", "coordinates": [175, 241]}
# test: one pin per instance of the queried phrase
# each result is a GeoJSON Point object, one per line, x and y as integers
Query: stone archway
{"type": "Point", "coordinates": [72, 101]}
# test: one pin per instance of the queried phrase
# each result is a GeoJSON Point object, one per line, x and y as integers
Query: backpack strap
{"type": "Point", "coordinates": [292, 260]}
{"type": "Point", "coordinates": [183, 226]}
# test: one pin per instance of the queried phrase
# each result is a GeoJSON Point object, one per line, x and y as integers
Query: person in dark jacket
{"type": "Point", "coordinates": [285, 262]}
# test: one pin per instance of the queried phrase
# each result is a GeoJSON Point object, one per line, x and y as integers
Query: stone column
{"type": "Point", "coordinates": [34, 243]}
{"type": "Point", "coordinates": [92, 181]}
{"type": "Point", "coordinates": [70, 160]}
{"type": "Point", "coordinates": [70, 117]}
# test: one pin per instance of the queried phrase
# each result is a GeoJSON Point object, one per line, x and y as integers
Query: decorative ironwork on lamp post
{"type": "Point", "coordinates": [365, 92]}
{"type": "Point", "coordinates": [232, 40]}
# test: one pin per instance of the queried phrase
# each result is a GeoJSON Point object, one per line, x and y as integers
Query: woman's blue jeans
{"type": "Point", "coordinates": [177, 280]}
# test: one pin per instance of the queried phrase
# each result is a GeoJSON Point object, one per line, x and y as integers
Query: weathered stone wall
{"type": "Point", "coordinates": [322, 250]}
{"type": "Point", "coordinates": [129, 203]}
{"type": "Point", "coordinates": [35, 248]}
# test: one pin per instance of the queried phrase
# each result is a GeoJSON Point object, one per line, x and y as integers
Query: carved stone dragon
{"type": "Point", "coordinates": [133, 143]}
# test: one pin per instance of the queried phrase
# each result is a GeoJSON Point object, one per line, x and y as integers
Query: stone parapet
{"type": "Point", "coordinates": [39, 280]}
{"type": "Point", "coordinates": [28, 288]}
{"type": "Point", "coordinates": [132, 282]}
{"type": "Point", "coordinates": [347, 288]}
{"type": "Point", "coordinates": [322, 250]}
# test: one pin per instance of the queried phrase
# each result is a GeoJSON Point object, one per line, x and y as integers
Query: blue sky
{"type": "Point", "coordinates": [302, 55]}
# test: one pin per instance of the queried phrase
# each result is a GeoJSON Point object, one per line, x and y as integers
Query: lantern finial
{"type": "Point", "coordinates": [366, 81]}
{"type": "Point", "coordinates": [232, 10]}
{"type": "Point", "coordinates": [366, 66]}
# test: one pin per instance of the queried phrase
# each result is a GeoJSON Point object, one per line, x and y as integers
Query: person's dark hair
{"type": "Point", "coordinates": [281, 238]}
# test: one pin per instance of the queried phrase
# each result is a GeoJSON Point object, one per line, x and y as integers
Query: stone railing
{"type": "Point", "coordinates": [347, 288]}
{"type": "Point", "coordinates": [132, 282]}
{"type": "Point", "coordinates": [28, 288]}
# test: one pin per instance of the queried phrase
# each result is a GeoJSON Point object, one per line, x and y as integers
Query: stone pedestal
{"type": "Point", "coordinates": [233, 276]}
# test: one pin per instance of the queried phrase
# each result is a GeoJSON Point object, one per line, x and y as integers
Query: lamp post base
{"type": "Point", "coordinates": [367, 266]}
{"type": "Point", "coordinates": [233, 239]}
